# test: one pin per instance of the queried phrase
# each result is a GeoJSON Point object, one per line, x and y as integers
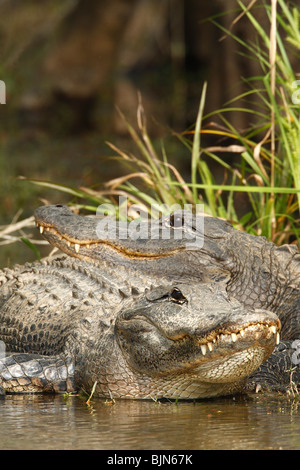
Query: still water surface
{"type": "Point", "coordinates": [52, 422]}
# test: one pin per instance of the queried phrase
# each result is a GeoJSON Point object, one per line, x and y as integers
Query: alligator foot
{"type": "Point", "coordinates": [21, 372]}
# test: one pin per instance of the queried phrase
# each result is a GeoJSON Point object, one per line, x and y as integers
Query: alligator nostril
{"type": "Point", "coordinates": [59, 205]}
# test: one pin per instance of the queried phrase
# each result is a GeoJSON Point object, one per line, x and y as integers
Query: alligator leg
{"type": "Point", "coordinates": [23, 372]}
{"type": "Point", "coordinates": [281, 372]}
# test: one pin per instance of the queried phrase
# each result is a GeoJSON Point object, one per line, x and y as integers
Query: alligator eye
{"type": "Point", "coordinates": [176, 221]}
{"type": "Point", "coordinates": [177, 295]}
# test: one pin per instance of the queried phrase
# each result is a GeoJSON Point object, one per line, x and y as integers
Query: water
{"type": "Point", "coordinates": [53, 422]}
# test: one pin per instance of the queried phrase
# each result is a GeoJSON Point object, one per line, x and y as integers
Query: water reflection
{"type": "Point", "coordinates": [51, 422]}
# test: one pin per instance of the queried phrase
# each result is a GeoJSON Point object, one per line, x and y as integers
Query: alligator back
{"type": "Point", "coordinates": [41, 303]}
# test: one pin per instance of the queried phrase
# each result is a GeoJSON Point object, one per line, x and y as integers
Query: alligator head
{"type": "Point", "coordinates": [194, 343]}
{"type": "Point", "coordinates": [175, 256]}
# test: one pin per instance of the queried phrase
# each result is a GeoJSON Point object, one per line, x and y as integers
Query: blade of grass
{"type": "Point", "coordinates": [250, 189]}
{"type": "Point", "coordinates": [57, 186]}
{"type": "Point", "coordinates": [196, 144]}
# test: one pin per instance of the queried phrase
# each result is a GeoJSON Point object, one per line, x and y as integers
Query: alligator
{"type": "Point", "coordinates": [148, 318]}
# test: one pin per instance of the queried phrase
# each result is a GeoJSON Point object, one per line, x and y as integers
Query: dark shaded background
{"type": "Point", "coordinates": [67, 65]}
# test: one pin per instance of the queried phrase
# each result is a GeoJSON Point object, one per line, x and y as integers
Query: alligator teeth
{"type": "Point", "coordinates": [77, 247]}
{"type": "Point", "coordinates": [234, 337]}
{"type": "Point", "coordinates": [41, 229]}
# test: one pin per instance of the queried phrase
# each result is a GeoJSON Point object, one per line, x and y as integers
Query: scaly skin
{"type": "Point", "coordinates": [180, 341]}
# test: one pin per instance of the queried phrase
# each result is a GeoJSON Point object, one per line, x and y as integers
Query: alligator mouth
{"type": "Point", "coordinates": [70, 242]}
{"type": "Point", "coordinates": [83, 248]}
{"type": "Point", "coordinates": [231, 355]}
{"type": "Point", "coordinates": [229, 338]}
{"type": "Point", "coordinates": [254, 332]}
{"type": "Point", "coordinates": [223, 355]}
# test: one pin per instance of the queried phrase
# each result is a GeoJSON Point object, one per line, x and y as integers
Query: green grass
{"type": "Point", "coordinates": [269, 164]}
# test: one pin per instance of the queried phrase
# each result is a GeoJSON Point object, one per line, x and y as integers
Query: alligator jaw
{"type": "Point", "coordinates": [258, 330]}
{"type": "Point", "coordinates": [234, 355]}
{"type": "Point", "coordinates": [221, 338]}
